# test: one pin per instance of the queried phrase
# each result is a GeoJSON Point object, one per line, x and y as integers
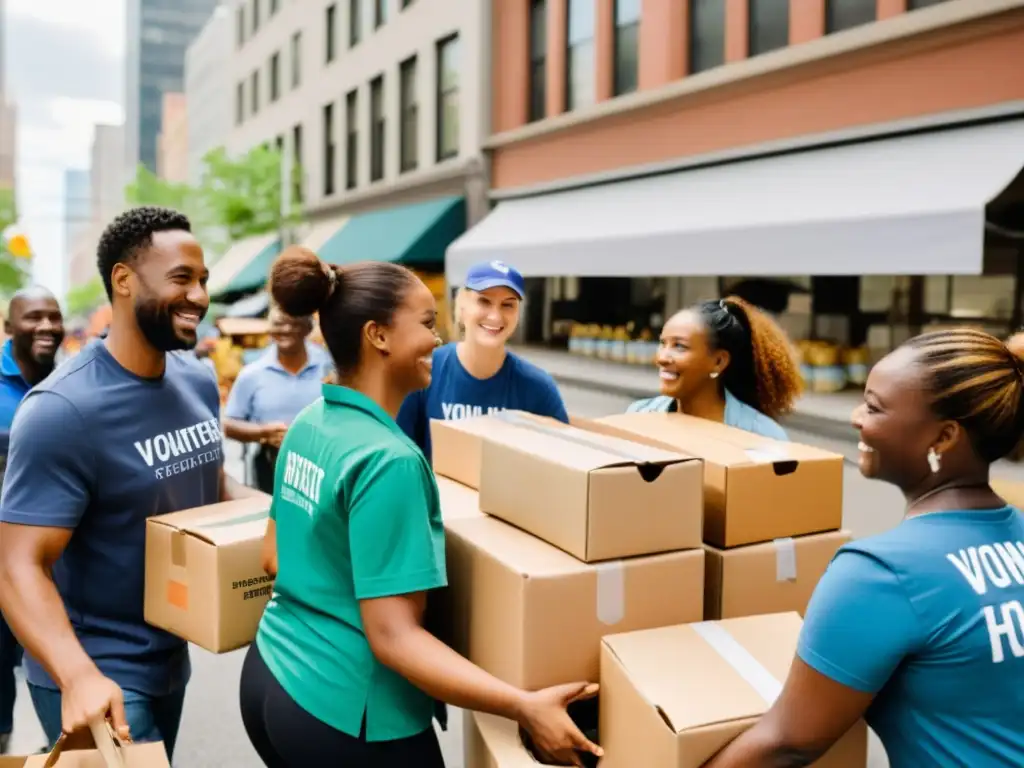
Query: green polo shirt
{"type": "Point", "coordinates": [358, 517]}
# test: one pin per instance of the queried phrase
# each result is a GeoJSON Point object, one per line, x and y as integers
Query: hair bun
{"type": "Point", "coordinates": [300, 283]}
{"type": "Point", "coordinates": [1015, 344]}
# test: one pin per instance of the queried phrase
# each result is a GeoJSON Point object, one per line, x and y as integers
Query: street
{"type": "Point", "coordinates": [211, 733]}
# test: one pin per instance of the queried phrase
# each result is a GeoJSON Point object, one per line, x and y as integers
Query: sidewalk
{"type": "Point", "coordinates": [824, 415]}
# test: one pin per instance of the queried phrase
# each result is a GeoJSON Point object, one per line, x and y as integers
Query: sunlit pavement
{"type": "Point", "coordinates": [212, 735]}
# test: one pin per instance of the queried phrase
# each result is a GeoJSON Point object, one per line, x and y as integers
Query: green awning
{"type": "Point", "coordinates": [417, 234]}
{"type": "Point", "coordinates": [245, 267]}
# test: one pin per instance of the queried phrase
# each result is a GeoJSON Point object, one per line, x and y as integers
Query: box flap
{"type": "Point", "coordinates": [223, 523]}
{"type": "Point", "coordinates": [711, 441]}
{"type": "Point", "coordinates": [578, 448]}
{"type": "Point", "coordinates": [712, 672]}
{"type": "Point", "coordinates": [501, 737]}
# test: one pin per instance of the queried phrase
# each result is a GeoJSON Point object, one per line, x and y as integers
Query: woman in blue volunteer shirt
{"type": "Point", "coordinates": [729, 362]}
{"type": "Point", "coordinates": [920, 629]}
{"type": "Point", "coordinates": [479, 375]}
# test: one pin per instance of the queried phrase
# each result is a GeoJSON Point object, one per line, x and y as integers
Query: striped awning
{"type": "Point", "coordinates": [244, 268]}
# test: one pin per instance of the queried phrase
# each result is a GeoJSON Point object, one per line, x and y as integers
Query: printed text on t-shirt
{"type": "Point", "coordinates": [454, 411]}
{"type": "Point", "coordinates": [181, 450]}
{"type": "Point", "coordinates": [302, 481]}
{"type": "Point", "coordinates": [997, 566]}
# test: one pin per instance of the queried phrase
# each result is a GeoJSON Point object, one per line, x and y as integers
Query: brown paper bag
{"type": "Point", "coordinates": [105, 751]}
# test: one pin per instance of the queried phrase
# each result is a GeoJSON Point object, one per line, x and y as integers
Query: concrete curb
{"type": "Point", "coordinates": [820, 426]}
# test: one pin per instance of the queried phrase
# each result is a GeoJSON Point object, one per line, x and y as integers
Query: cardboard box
{"type": "Point", "coordinates": [755, 489]}
{"type": "Point", "coordinates": [80, 750]}
{"type": "Point", "coordinates": [593, 496]}
{"type": "Point", "coordinates": [493, 742]}
{"type": "Point", "coordinates": [774, 577]}
{"type": "Point", "coordinates": [533, 615]}
{"type": "Point", "coordinates": [204, 577]}
{"type": "Point", "coordinates": [676, 696]}
{"type": "Point", "coordinates": [456, 446]}
{"type": "Point", "coordinates": [457, 500]}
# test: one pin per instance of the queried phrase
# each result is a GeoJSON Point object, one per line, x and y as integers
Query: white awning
{"type": "Point", "coordinates": [322, 231]}
{"type": "Point", "coordinates": [239, 256]}
{"type": "Point", "coordinates": [908, 205]}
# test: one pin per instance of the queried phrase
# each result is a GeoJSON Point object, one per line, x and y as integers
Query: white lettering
{"type": "Point", "coordinates": [146, 451]}
{"type": "Point", "coordinates": [969, 567]}
{"type": "Point", "coordinates": [303, 480]}
{"type": "Point", "coordinates": [1011, 627]}
{"type": "Point", "coordinates": [162, 446]}
{"type": "Point", "coordinates": [446, 411]}
{"type": "Point", "coordinates": [994, 568]}
{"type": "Point", "coordinates": [1013, 559]}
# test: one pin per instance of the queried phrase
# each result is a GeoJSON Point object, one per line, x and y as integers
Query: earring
{"type": "Point", "coordinates": [714, 374]}
{"type": "Point", "coordinates": [934, 461]}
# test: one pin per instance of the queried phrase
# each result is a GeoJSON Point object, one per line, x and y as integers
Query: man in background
{"type": "Point", "coordinates": [35, 330]}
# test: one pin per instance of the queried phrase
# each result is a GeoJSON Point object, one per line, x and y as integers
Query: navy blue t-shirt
{"type": "Point", "coordinates": [97, 449]}
{"type": "Point", "coordinates": [455, 394]}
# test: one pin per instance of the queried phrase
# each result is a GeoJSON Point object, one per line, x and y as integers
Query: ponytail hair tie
{"type": "Point", "coordinates": [332, 276]}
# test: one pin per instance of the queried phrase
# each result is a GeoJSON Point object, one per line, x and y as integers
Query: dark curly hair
{"type": "Point", "coordinates": [762, 370]}
{"type": "Point", "coordinates": [132, 232]}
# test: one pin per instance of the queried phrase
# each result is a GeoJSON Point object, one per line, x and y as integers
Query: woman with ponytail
{"type": "Point", "coordinates": [342, 671]}
{"type": "Point", "coordinates": [729, 362]}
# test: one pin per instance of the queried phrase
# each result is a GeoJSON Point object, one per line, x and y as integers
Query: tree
{"type": "Point", "coordinates": [14, 267]}
{"type": "Point", "coordinates": [149, 189]}
{"type": "Point", "coordinates": [83, 299]}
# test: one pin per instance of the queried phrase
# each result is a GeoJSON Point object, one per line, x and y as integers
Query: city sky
{"type": "Point", "coordinates": [65, 72]}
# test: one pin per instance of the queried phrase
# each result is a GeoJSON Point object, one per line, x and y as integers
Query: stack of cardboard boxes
{"type": "Point", "coordinates": [595, 551]}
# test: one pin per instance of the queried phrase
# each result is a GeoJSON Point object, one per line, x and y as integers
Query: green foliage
{"type": "Point", "coordinates": [83, 299]}
{"type": "Point", "coordinates": [237, 198]}
{"type": "Point", "coordinates": [14, 272]}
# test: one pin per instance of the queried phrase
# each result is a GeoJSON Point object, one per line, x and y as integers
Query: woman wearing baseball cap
{"type": "Point", "coordinates": [479, 375]}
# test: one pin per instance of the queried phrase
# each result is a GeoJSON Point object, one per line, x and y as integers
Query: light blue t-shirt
{"type": "Point", "coordinates": [737, 414]}
{"type": "Point", "coordinates": [929, 616]}
{"type": "Point", "coordinates": [455, 394]}
{"type": "Point", "coordinates": [265, 392]}
{"type": "Point", "coordinates": [97, 449]}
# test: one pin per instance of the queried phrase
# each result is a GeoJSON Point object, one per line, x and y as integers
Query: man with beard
{"type": "Point", "coordinates": [35, 326]}
{"type": "Point", "coordinates": [127, 429]}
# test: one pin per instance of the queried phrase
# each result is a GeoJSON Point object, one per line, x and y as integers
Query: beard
{"type": "Point", "coordinates": [156, 321]}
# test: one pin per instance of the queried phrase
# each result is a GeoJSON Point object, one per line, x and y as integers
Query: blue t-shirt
{"type": "Point", "coordinates": [265, 391]}
{"type": "Point", "coordinates": [455, 394]}
{"type": "Point", "coordinates": [737, 414]}
{"type": "Point", "coordinates": [929, 616]}
{"type": "Point", "coordinates": [97, 449]}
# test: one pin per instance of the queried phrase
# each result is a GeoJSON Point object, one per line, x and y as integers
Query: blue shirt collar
{"type": "Point", "coordinates": [313, 359]}
{"type": "Point", "coordinates": [8, 365]}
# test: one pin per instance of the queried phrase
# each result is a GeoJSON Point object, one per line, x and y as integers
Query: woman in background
{"type": "Point", "coordinates": [920, 630]}
{"type": "Point", "coordinates": [342, 671]}
{"type": "Point", "coordinates": [729, 362]}
{"type": "Point", "coordinates": [479, 375]}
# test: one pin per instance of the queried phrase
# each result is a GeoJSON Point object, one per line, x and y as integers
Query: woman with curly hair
{"type": "Point", "coordinates": [729, 362]}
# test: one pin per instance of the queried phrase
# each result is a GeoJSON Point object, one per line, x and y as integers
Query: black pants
{"type": "Point", "coordinates": [263, 464]}
{"type": "Point", "coordinates": [286, 736]}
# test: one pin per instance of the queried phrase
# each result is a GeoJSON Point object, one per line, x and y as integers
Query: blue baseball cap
{"type": "Point", "coordinates": [492, 274]}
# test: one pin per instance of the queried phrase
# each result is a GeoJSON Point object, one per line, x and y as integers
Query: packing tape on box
{"type": "Point", "coordinates": [616, 446]}
{"type": "Point", "coordinates": [739, 658]}
{"type": "Point", "coordinates": [611, 592]}
{"type": "Point", "coordinates": [785, 559]}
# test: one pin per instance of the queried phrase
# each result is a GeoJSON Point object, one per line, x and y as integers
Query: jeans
{"type": "Point", "coordinates": [10, 658]}
{"type": "Point", "coordinates": [149, 718]}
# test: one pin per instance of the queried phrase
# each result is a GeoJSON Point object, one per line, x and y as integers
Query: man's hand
{"type": "Point", "coordinates": [91, 698]}
{"type": "Point", "coordinates": [273, 434]}
{"type": "Point", "coordinates": [554, 733]}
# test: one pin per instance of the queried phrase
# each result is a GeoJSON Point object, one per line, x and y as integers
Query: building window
{"type": "Point", "coordinates": [275, 76]}
{"type": "Point", "coordinates": [847, 14]}
{"type": "Point", "coordinates": [329, 148]}
{"type": "Point", "coordinates": [240, 103]}
{"type": "Point", "coordinates": [296, 60]}
{"type": "Point", "coordinates": [355, 22]}
{"type": "Point", "coordinates": [377, 128]}
{"type": "Point", "coordinates": [255, 88]}
{"type": "Point", "coordinates": [913, 5]}
{"type": "Point", "coordinates": [299, 175]}
{"type": "Point", "coordinates": [707, 35]}
{"type": "Point", "coordinates": [410, 133]}
{"type": "Point", "coordinates": [627, 46]}
{"type": "Point", "coordinates": [275, 6]}
{"type": "Point", "coordinates": [538, 59]}
{"type": "Point", "coordinates": [255, 16]}
{"type": "Point", "coordinates": [330, 22]}
{"type": "Point", "coordinates": [351, 139]}
{"type": "Point", "coordinates": [240, 25]}
{"type": "Point", "coordinates": [580, 66]}
{"type": "Point", "coordinates": [448, 98]}
{"type": "Point", "coordinates": [769, 25]}
{"type": "Point", "coordinates": [279, 144]}
{"type": "Point", "coordinates": [380, 13]}
{"type": "Point", "coordinates": [406, 4]}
